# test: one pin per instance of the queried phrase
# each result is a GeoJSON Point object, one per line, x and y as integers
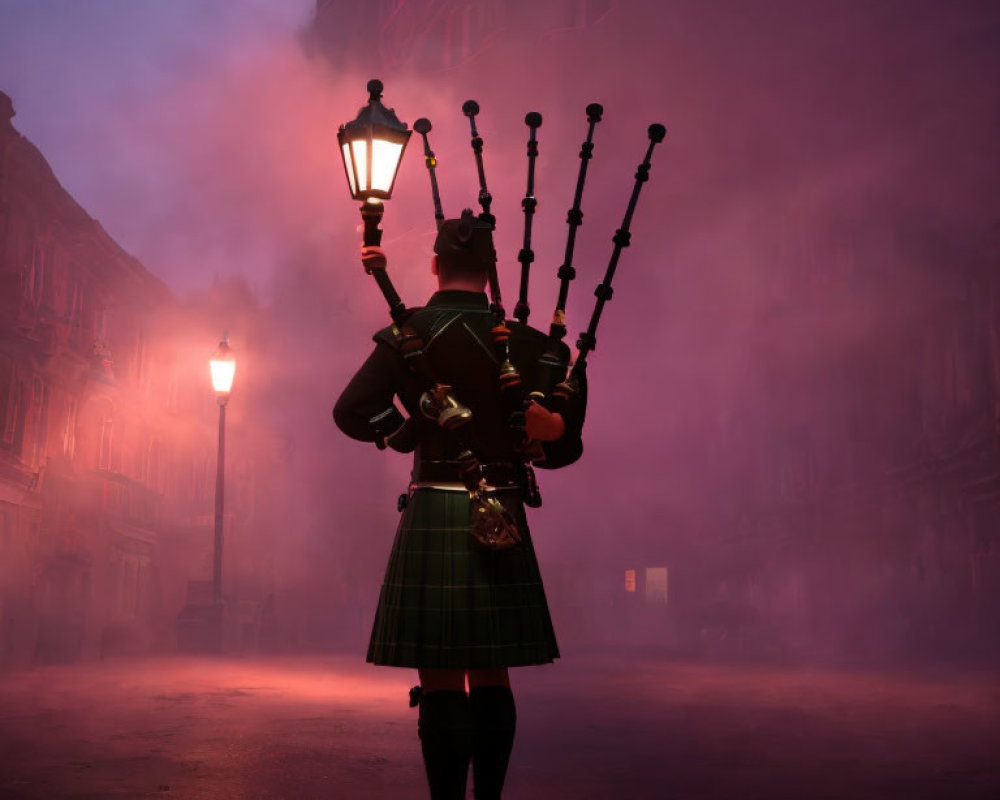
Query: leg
{"type": "Point", "coordinates": [442, 680]}
{"type": "Point", "coordinates": [445, 732]}
{"type": "Point", "coordinates": [493, 722]}
{"type": "Point", "coordinates": [498, 676]}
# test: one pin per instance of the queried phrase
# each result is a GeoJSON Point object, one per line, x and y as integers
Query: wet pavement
{"type": "Point", "coordinates": [591, 727]}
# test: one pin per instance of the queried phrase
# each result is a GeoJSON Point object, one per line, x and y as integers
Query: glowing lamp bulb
{"type": "Point", "coordinates": [223, 368]}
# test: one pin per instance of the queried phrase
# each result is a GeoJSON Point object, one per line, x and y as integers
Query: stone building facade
{"type": "Point", "coordinates": [871, 524]}
{"type": "Point", "coordinates": [107, 432]}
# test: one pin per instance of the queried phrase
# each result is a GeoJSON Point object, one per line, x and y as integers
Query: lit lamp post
{"type": "Point", "coordinates": [372, 147]}
{"type": "Point", "coordinates": [223, 368]}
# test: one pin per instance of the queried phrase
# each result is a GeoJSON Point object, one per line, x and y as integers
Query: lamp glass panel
{"type": "Point", "coordinates": [350, 167]}
{"type": "Point", "coordinates": [385, 160]}
{"type": "Point", "coordinates": [223, 372]}
{"type": "Point", "coordinates": [360, 149]}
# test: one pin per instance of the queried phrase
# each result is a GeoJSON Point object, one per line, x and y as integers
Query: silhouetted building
{"type": "Point", "coordinates": [870, 521]}
{"type": "Point", "coordinates": [107, 434]}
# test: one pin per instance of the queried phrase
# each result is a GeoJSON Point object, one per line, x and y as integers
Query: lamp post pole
{"type": "Point", "coordinates": [223, 369]}
{"type": "Point", "coordinates": [220, 490]}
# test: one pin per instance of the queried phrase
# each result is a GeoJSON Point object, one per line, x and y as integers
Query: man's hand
{"type": "Point", "coordinates": [405, 438]}
{"type": "Point", "coordinates": [373, 258]}
{"type": "Point", "coordinates": [541, 424]}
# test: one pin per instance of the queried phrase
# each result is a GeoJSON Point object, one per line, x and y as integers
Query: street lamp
{"type": "Point", "coordinates": [223, 368]}
{"type": "Point", "coordinates": [371, 146]}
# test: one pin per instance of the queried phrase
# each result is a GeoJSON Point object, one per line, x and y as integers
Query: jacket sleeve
{"type": "Point", "coordinates": [366, 409]}
{"type": "Point", "coordinates": [568, 447]}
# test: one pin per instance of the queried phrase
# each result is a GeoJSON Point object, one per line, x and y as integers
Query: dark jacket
{"type": "Point", "coordinates": [455, 328]}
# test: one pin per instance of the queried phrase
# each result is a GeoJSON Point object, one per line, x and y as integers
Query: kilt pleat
{"type": "Point", "coordinates": [448, 602]}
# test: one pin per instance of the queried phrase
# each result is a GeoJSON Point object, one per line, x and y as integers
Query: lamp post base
{"type": "Point", "coordinates": [200, 628]}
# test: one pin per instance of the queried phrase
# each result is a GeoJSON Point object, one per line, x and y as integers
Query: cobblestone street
{"type": "Point", "coordinates": [589, 727]}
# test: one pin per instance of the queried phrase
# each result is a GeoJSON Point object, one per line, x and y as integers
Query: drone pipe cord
{"type": "Point", "coordinates": [566, 273]}
{"type": "Point", "coordinates": [622, 238]}
{"type": "Point", "coordinates": [526, 255]}
{"type": "Point", "coordinates": [423, 127]}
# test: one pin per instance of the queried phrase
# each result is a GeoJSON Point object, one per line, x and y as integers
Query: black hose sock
{"type": "Point", "coordinates": [494, 719]}
{"type": "Point", "coordinates": [445, 741]}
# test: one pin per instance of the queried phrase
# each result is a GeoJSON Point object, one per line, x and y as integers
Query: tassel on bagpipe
{"type": "Point", "coordinates": [423, 127]}
{"type": "Point", "coordinates": [526, 255]}
{"type": "Point", "coordinates": [567, 272]}
{"type": "Point", "coordinates": [622, 238]}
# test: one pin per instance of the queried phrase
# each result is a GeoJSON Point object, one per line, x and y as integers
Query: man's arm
{"type": "Point", "coordinates": [569, 447]}
{"type": "Point", "coordinates": [366, 410]}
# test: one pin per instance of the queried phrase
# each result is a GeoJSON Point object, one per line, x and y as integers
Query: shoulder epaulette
{"type": "Point", "coordinates": [390, 334]}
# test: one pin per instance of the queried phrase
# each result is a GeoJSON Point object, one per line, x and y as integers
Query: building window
{"type": "Point", "coordinates": [74, 305]}
{"type": "Point", "coordinates": [656, 585]}
{"type": "Point", "coordinates": [630, 580]}
{"type": "Point", "coordinates": [39, 419]}
{"type": "Point", "coordinates": [101, 323]}
{"type": "Point", "coordinates": [35, 278]}
{"type": "Point", "coordinates": [8, 399]}
{"type": "Point", "coordinates": [106, 424]}
{"type": "Point", "coordinates": [69, 431]}
{"type": "Point", "coordinates": [139, 359]}
{"type": "Point", "coordinates": [13, 422]}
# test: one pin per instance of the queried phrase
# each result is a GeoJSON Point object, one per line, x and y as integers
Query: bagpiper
{"type": "Point", "coordinates": [485, 399]}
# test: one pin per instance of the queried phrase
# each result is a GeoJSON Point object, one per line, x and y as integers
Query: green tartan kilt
{"type": "Point", "coordinates": [449, 602]}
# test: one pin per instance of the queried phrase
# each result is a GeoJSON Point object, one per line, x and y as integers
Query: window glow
{"type": "Point", "coordinates": [656, 585]}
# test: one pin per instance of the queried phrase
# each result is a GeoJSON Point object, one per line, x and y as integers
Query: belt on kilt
{"type": "Point", "coordinates": [499, 474]}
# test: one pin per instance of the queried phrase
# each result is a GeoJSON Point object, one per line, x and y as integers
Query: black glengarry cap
{"type": "Point", "coordinates": [465, 242]}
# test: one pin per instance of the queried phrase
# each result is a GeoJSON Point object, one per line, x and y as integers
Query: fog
{"type": "Point", "coordinates": [815, 225]}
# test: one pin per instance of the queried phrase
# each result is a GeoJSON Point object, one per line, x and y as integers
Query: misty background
{"type": "Point", "coordinates": [791, 327]}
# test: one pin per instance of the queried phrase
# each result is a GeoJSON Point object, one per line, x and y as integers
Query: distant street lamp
{"type": "Point", "coordinates": [223, 369]}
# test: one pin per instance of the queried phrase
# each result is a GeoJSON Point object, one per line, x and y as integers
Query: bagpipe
{"type": "Point", "coordinates": [492, 524]}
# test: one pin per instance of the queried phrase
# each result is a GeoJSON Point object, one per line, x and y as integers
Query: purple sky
{"type": "Point", "coordinates": [122, 99]}
{"type": "Point", "coordinates": [200, 136]}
